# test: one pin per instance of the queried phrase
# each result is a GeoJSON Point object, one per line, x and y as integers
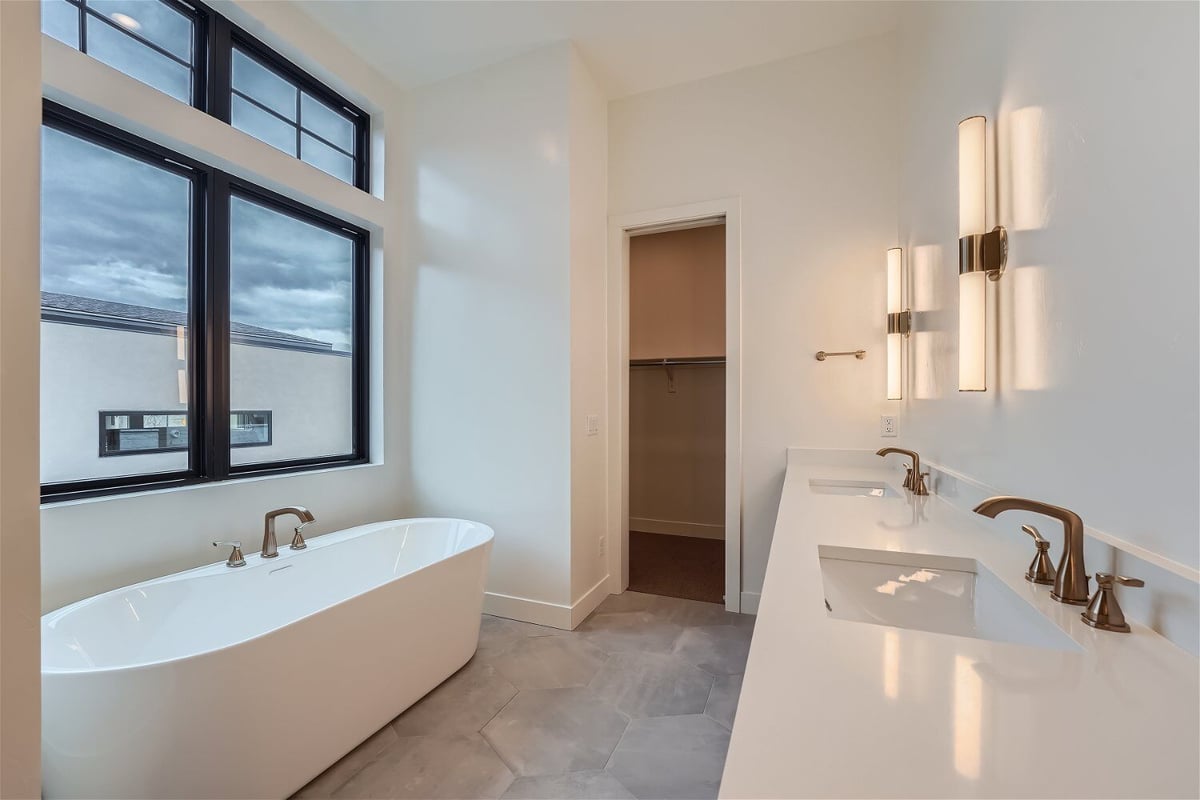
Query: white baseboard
{"type": "Point", "coordinates": [585, 605]}
{"type": "Point", "coordinates": [539, 612]}
{"type": "Point", "coordinates": [523, 609]}
{"type": "Point", "coordinates": [750, 602]}
{"type": "Point", "coordinates": [699, 530]}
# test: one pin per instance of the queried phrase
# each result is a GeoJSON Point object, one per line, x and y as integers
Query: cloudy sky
{"type": "Point", "coordinates": [116, 229]}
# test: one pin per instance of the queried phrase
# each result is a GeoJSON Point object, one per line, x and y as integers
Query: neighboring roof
{"type": "Point", "coordinates": [74, 310]}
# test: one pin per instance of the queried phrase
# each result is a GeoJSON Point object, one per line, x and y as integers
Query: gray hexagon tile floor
{"type": "Point", "coordinates": [637, 702]}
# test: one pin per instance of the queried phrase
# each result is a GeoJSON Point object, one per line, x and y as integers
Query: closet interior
{"type": "Point", "coordinates": [677, 412]}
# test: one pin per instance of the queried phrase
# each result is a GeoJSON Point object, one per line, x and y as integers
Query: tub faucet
{"type": "Point", "coordinates": [1071, 579]}
{"type": "Point", "coordinates": [270, 548]}
{"type": "Point", "coordinates": [914, 480]}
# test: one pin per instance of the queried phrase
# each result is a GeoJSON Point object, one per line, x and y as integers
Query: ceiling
{"type": "Point", "coordinates": [630, 46]}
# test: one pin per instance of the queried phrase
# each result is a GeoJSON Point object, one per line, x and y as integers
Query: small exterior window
{"type": "Point", "coordinates": [127, 433]}
{"type": "Point", "coordinates": [151, 40]}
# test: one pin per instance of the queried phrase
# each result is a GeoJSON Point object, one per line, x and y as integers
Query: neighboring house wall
{"type": "Point", "coordinates": [90, 369]}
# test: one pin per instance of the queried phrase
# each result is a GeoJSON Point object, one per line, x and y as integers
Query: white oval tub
{"type": "Point", "coordinates": [248, 682]}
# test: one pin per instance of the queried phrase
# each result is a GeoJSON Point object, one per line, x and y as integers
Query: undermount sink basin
{"type": "Point", "coordinates": [956, 596]}
{"type": "Point", "coordinates": [851, 488]}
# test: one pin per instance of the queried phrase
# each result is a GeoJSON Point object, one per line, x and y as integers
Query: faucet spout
{"type": "Point", "coordinates": [913, 480]}
{"type": "Point", "coordinates": [1071, 579]}
{"type": "Point", "coordinates": [270, 547]}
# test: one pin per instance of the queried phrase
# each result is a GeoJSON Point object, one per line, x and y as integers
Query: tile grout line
{"type": "Point", "coordinates": [488, 741]}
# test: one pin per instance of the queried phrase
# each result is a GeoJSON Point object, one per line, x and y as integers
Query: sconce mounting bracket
{"type": "Point", "coordinates": [984, 252]}
{"type": "Point", "coordinates": [899, 322]}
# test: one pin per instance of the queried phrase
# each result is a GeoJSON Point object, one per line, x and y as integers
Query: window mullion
{"type": "Point", "coordinates": [83, 26]}
{"type": "Point", "coordinates": [197, 350]}
{"type": "Point", "coordinates": [216, 332]}
{"type": "Point", "coordinates": [219, 69]}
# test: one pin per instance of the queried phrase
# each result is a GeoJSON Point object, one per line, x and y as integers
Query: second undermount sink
{"type": "Point", "coordinates": [851, 488]}
{"type": "Point", "coordinates": [942, 594]}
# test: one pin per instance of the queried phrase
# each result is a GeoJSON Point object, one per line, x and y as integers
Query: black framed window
{"type": "Point", "coordinates": [195, 55]}
{"type": "Point", "coordinates": [270, 106]}
{"type": "Point", "coordinates": [221, 328]}
{"type": "Point", "coordinates": [156, 41]}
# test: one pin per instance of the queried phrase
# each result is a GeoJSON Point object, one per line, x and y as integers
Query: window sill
{"type": "Point", "coordinates": [206, 485]}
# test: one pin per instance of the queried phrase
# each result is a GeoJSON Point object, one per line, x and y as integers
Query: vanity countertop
{"type": "Point", "coordinates": [834, 708]}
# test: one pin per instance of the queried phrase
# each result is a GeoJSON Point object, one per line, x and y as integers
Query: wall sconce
{"type": "Point", "coordinates": [899, 323]}
{"type": "Point", "coordinates": [982, 254]}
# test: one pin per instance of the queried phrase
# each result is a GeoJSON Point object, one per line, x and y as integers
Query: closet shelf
{"type": "Point", "coordinates": [697, 361]}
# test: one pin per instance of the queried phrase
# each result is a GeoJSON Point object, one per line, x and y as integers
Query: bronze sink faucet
{"type": "Point", "coordinates": [1071, 579]}
{"type": "Point", "coordinates": [914, 480]}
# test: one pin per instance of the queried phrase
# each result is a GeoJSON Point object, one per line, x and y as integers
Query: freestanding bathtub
{"type": "Point", "coordinates": [247, 682]}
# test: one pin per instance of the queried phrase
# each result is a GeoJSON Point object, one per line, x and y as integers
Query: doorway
{"type": "Point", "coordinates": [675, 480]}
{"type": "Point", "coordinates": [676, 436]}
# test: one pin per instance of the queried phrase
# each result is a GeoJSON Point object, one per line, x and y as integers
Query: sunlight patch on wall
{"type": "Point", "coordinates": [1030, 329]}
{"type": "Point", "coordinates": [1024, 179]}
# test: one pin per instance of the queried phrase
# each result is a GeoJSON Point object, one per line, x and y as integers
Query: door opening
{"type": "Point", "coordinates": [676, 434]}
{"type": "Point", "coordinates": [675, 505]}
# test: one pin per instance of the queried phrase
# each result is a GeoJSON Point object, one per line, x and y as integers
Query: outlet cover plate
{"type": "Point", "coordinates": [887, 425]}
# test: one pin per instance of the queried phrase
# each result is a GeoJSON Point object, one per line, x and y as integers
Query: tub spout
{"type": "Point", "coordinates": [270, 548]}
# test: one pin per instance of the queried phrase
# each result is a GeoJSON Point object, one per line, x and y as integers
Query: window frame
{"type": "Point", "coordinates": [208, 319]}
{"type": "Point", "coordinates": [214, 38]}
{"type": "Point", "coordinates": [200, 16]}
{"type": "Point", "coordinates": [305, 84]}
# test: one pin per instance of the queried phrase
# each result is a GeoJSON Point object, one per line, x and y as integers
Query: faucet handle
{"type": "Point", "coordinates": [298, 542]}
{"type": "Point", "coordinates": [1103, 611]}
{"type": "Point", "coordinates": [1108, 579]}
{"type": "Point", "coordinates": [918, 484]}
{"type": "Point", "coordinates": [1041, 569]}
{"type": "Point", "coordinates": [1037, 536]}
{"type": "Point", "coordinates": [236, 559]}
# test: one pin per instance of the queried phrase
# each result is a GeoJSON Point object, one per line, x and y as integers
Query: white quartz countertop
{"type": "Point", "coordinates": [834, 708]}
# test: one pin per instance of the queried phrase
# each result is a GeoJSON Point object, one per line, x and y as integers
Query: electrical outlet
{"type": "Point", "coordinates": [603, 543]}
{"type": "Point", "coordinates": [592, 424]}
{"type": "Point", "coordinates": [887, 425]}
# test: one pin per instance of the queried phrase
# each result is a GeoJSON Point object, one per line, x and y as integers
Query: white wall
{"type": "Point", "coordinates": [20, 653]}
{"type": "Point", "coordinates": [488, 247]}
{"type": "Point", "coordinates": [1093, 400]}
{"type": "Point", "coordinates": [506, 261]}
{"type": "Point", "coordinates": [588, 150]}
{"type": "Point", "coordinates": [94, 545]}
{"type": "Point", "coordinates": [806, 146]}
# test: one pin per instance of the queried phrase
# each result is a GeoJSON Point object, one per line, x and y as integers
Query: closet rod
{"type": "Point", "coordinates": [702, 361]}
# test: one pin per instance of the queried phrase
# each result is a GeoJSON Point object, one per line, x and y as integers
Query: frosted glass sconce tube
{"type": "Point", "coordinates": [982, 254]}
{"type": "Point", "coordinates": [899, 321]}
{"type": "Point", "coordinates": [972, 332]}
{"type": "Point", "coordinates": [972, 176]}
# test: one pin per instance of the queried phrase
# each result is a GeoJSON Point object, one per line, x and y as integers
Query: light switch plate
{"type": "Point", "coordinates": [887, 426]}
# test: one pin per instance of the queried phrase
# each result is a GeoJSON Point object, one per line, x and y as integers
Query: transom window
{"type": "Point", "coordinates": [198, 57]}
{"type": "Point", "coordinates": [268, 106]}
{"type": "Point", "coordinates": [151, 40]}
